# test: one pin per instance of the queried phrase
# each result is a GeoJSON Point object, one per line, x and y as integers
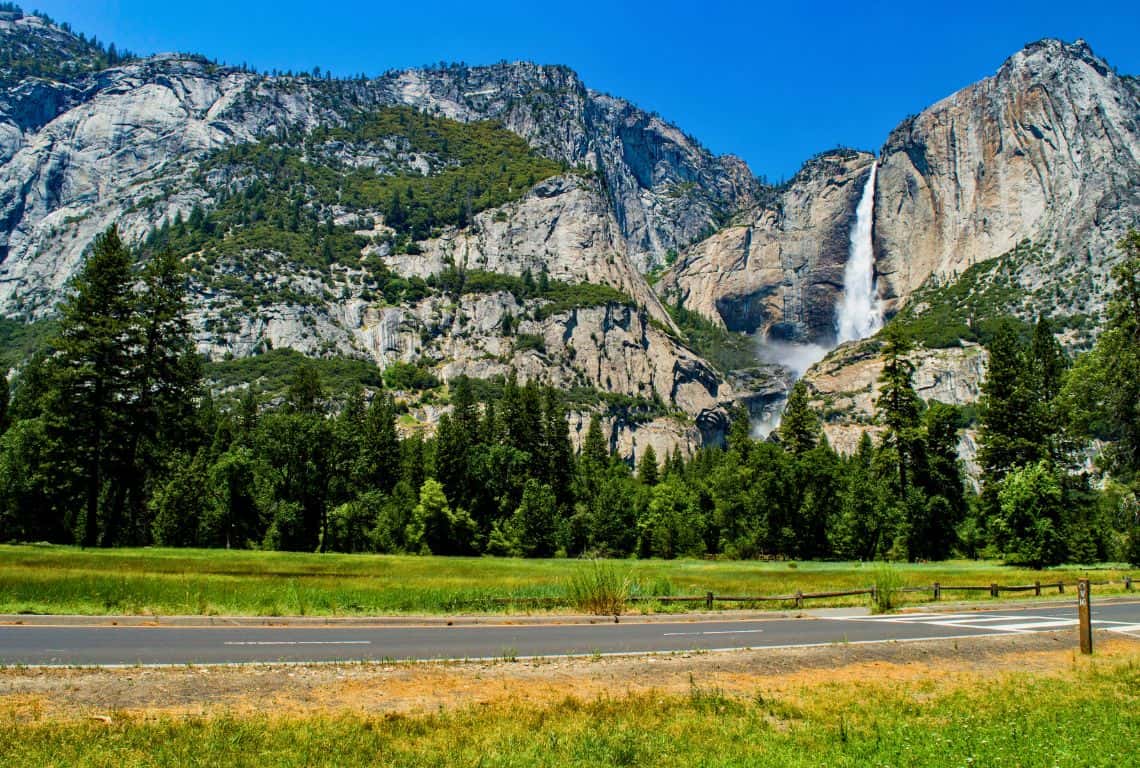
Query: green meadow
{"type": "Point", "coordinates": [67, 580]}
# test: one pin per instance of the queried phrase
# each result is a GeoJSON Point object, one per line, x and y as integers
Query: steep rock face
{"type": "Point", "coordinates": [1047, 149]}
{"type": "Point", "coordinates": [666, 190]}
{"type": "Point", "coordinates": [845, 386]}
{"type": "Point", "coordinates": [780, 273]}
{"type": "Point", "coordinates": [608, 348]}
{"type": "Point", "coordinates": [120, 147]}
{"type": "Point", "coordinates": [120, 144]}
{"type": "Point", "coordinates": [84, 145]}
{"type": "Point", "coordinates": [563, 226]}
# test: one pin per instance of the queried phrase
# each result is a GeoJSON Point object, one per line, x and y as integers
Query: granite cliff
{"type": "Point", "coordinates": [291, 198]}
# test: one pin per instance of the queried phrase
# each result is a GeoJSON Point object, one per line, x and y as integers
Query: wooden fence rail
{"type": "Point", "coordinates": [936, 589]}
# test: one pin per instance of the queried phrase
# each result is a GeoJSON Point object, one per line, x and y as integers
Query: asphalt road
{"type": "Point", "coordinates": [110, 645]}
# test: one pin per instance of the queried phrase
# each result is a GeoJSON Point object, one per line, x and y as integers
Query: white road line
{"type": "Point", "coordinates": [1034, 626]}
{"type": "Point", "coordinates": [297, 642]}
{"type": "Point", "coordinates": [716, 632]}
{"type": "Point", "coordinates": [908, 618]}
{"type": "Point", "coordinates": [1125, 628]}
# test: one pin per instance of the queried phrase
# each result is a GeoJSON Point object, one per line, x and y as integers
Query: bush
{"type": "Point", "coordinates": [410, 376]}
{"type": "Point", "coordinates": [599, 587]}
{"type": "Point", "coordinates": [888, 582]}
{"type": "Point", "coordinates": [530, 342]}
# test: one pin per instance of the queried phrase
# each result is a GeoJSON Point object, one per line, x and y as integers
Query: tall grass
{"type": "Point", "coordinates": [888, 582]}
{"type": "Point", "coordinates": [599, 587]}
{"type": "Point", "coordinates": [1082, 716]}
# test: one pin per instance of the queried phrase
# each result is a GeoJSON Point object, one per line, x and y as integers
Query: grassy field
{"type": "Point", "coordinates": [43, 579]}
{"type": "Point", "coordinates": [1085, 715]}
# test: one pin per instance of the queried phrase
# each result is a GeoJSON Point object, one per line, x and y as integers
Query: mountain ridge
{"type": "Point", "coordinates": [138, 143]}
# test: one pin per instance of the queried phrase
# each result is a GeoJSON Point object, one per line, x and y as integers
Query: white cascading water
{"type": "Point", "coordinates": [860, 313]}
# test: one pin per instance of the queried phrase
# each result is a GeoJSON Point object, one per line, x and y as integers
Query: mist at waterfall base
{"type": "Point", "coordinates": [793, 358]}
{"type": "Point", "coordinates": [858, 314]}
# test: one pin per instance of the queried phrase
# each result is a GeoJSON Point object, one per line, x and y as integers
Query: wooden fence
{"type": "Point", "coordinates": [708, 599]}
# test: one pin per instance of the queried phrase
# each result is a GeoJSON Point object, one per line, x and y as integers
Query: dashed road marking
{"type": "Point", "coordinates": [714, 632]}
{"type": "Point", "coordinates": [297, 642]}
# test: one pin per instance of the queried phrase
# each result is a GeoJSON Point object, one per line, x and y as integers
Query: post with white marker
{"type": "Point", "coordinates": [1084, 616]}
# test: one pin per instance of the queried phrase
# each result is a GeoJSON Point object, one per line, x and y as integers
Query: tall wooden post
{"type": "Point", "coordinates": [1084, 615]}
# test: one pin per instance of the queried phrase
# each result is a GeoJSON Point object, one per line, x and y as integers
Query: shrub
{"type": "Point", "coordinates": [888, 582]}
{"type": "Point", "coordinates": [599, 587]}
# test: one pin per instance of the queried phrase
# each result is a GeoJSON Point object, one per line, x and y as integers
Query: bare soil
{"type": "Point", "coordinates": [106, 694]}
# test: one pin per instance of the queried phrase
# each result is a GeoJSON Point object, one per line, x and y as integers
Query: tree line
{"type": "Point", "coordinates": [111, 438]}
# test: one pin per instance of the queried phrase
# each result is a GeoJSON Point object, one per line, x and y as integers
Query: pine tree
{"type": "Point", "coordinates": [595, 451]}
{"type": "Point", "coordinates": [557, 452]}
{"type": "Point", "coordinates": [452, 458]}
{"type": "Point", "coordinates": [898, 405]}
{"type": "Point", "coordinates": [647, 468]}
{"type": "Point", "coordinates": [933, 528]}
{"type": "Point", "coordinates": [378, 465]}
{"type": "Point", "coordinates": [305, 390]}
{"type": "Point", "coordinates": [536, 519]}
{"type": "Point", "coordinates": [5, 417]}
{"type": "Point", "coordinates": [167, 372]}
{"type": "Point", "coordinates": [799, 428]}
{"type": "Point", "coordinates": [1048, 363]}
{"type": "Point", "coordinates": [1011, 434]}
{"type": "Point", "coordinates": [92, 390]}
{"type": "Point", "coordinates": [1102, 392]}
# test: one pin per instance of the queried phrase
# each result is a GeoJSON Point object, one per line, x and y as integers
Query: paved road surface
{"type": "Point", "coordinates": [108, 645]}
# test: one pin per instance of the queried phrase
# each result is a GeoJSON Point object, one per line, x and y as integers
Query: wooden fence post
{"type": "Point", "coordinates": [708, 600]}
{"type": "Point", "coordinates": [1127, 583]}
{"type": "Point", "coordinates": [1084, 614]}
{"type": "Point", "coordinates": [1061, 587]}
{"type": "Point", "coordinates": [799, 599]}
{"type": "Point", "coordinates": [1037, 588]}
{"type": "Point", "coordinates": [937, 591]}
{"type": "Point", "coordinates": [993, 590]}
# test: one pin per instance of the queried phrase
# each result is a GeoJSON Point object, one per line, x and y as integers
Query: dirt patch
{"type": "Point", "coordinates": [65, 694]}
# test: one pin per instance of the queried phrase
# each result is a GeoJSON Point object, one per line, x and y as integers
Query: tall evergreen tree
{"type": "Point", "coordinates": [167, 373]}
{"type": "Point", "coordinates": [1102, 392]}
{"type": "Point", "coordinates": [378, 464]}
{"type": "Point", "coordinates": [799, 428]}
{"type": "Point", "coordinates": [648, 472]}
{"type": "Point", "coordinates": [5, 417]}
{"type": "Point", "coordinates": [1011, 434]}
{"type": "Point", "coordinates": [93, 392]}
{"type": "Point", "coordinates": [305, 390]}
{"type": "Point", "coordinates": [898, 405]}
{"type": "Point", "coordinates": [557, 452]}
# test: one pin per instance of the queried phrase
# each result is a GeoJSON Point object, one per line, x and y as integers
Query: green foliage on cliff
{"type": "Point", "coordinates": [628, 409]}
{"type": "Point", "coordinates": [269, 373]}
{"type": "Point", "coordinates": [557, 296]}
{"type": "Point", "coordinates": [306, 198]}
{"type": "Point", "coordinates": [726, 350]}
{"type": "Point", "coordinates": [279, 193]}
{"type": "Point", "coordinates": [945, 312]}
{"type": "Point", "coordinates": [55, 54]}
{"type": "Point", "coordinates": [19, 340]}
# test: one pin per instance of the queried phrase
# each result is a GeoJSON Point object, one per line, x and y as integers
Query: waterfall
{"type": "Point", "coordinates": [860, 313]}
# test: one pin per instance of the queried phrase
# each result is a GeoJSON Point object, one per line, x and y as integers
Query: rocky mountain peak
{"type": "Point", "coordinates": [1047, 149]}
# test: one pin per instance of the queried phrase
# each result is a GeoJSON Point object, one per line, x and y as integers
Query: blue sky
{"type": "Point", "coordinates": [772, 83]}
